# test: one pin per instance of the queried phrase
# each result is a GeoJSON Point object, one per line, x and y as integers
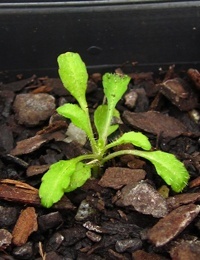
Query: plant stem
{"type": "Point", "coordinates": [123, 152]}
{"type": "Point", "coordinates": [91, 138]}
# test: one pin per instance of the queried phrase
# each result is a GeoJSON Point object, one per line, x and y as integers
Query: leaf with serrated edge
{"type": "Point", "coordinates": [100, 115]}
{"type": "Point", "coordinates": [55, 181]}
{"type": "Point", "coordinates": [114, 87]}
{"type": "Point", "coordinates": [135, 138]}
{"type": "Point", "coordinates": [74, 76]}
{"type": "Point", "coordinates": [171, 170]}
{"type": "Point", "coordinates": [75, 114]}
{"type": "Point", "coordinates": [79, 176]}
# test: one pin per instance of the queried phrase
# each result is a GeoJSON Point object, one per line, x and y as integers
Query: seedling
{"type": "Point", "coordinates": [67, 175]}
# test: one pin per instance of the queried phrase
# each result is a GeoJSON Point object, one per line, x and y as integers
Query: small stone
{"type": "Point", "coordinates": [117, 177]}
{"type": "Point", "coordinates": [144, 198]}
{"type": "Point", "coordinates": [24, 252]}
{"type": "Point", "coordinates": [6, 100]}
{"type": "Point", "coordinates": [74, 133]}
{"type": "Point", "coordinates": [32, 109]}
{"type": "Point", "coordinates": [53, 256]}
{"type": "Point", "coordinates": [128, 244]}
{"type": "Point", "coordinates": [50, 220]}
{"type": "Point", "coordinates": [84, 211]}
{"type": "Point", "coordinates": [6, 138]}
{"type": "Point", "coordinates": [8, 216]}
{"type": "Point", "coordinates": [173, 224]}
{"type": "Point", "coordinates": [54, 242]}
{"type": "Point", "coordinates": [93, 236]}
{"type": "Point", "coordinates": [131, 98]}
{"type": "Point", "coordinates": [5, 238]}
{"type": "Point", "coordinates": [73, 235]}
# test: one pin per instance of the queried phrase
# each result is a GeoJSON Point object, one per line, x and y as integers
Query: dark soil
{"type": "Point", "coordinates": [129, 212]}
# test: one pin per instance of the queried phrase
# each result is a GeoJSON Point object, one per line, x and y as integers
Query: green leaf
{"type": "Point", "coordinates": [171, 170]}
{"type": "Point", "coordinates": [76, 115]}
{"type": "Point", "coordinates": [100, 116]}
{"type": "Point", "coordinates": [73, 73]}
{"type": "Point", "coordinates": [135, 138]}
{"type": "Point", "coordinates": [55, 181]}
{"type": "Point", "coordinates": [115, 86]}
{"type": "Point", "coordinates": [79, 176]}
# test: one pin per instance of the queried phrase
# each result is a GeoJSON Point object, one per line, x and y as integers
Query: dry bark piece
{"type": "Point", "coordinates": [155, 123]}
{"type": "Point", "coordinates": [144, 198]}
{"type": "Point", "coordinates": [53, 127]}
{"type": "Point", "coordinates": [19, 184]}
{"type": "Point", "coordinates": [179, 93]}
{"type": "Point", "coordinates": [31, 144]}
{"type": "Point", "coordinates": [115, 255]}
{"type": "Point", "coordinates": [140, 254]}
{"type": "Point", "coordinates": [194, 76]}
{"type": "Point", "coordinates": [16, 86]}
{"type": "Point", "coordinates": [195, 182]}
{"type": "Point", "coordinates": [30, 196]}
{"type": "Point", "coordinates": [185, 250]}
{"type": "Point", "coordinates": [117, 177]}
{"type": "Point", "coordinates": [56, 85]}
{"type": "Point", "coordinates": [42, 89]}
{"type": "Point", "coordinates": [182, 199]}
{"type": "Point", "coordinates": [36, 170]}
{"type": "Point", "coordinates": [26, 225]}
{"type": "Point", "coordinates": [173, 224]}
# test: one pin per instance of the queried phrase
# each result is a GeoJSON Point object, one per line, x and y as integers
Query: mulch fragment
{"type": "Point", "coordinates": [141, 254]}
{"type": "Point", "coordinates": [25, 195]}
{"type": "Point", "coordinates": [117, 177]}
{"type": "Point", "coordinates": [26, 224]}
{"type": "Point", "coordinates": [172, 224]}
{"type": "Point", "coordinates": [156, 123]}
{"type": "Point", "coordinates": [185, 250]}
{"type": "Point", "coordinates": [176, 201]}
{"type": "Point", "coordinates": [31, 144]}
{"type": "Point", "coordinates": [179, 93]}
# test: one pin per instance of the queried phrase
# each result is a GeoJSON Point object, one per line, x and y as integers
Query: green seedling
{"type": "Point", "coordinates": [67, 175]}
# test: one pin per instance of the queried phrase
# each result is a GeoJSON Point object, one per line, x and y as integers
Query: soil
{"type": "Point", "coordinates": [129, 212]}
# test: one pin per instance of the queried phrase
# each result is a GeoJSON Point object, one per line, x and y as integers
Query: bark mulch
{"type": "Point", "coordinates": [129, 212]}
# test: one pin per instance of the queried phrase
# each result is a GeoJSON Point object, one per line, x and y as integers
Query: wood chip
{"type": "Point", "coordinates": [32, 144]}
{"type": "Point", "coordinates": [26, 225]}
{"type": "Point", "coordinates": [172, 224]}
{"type": "Point", "coordinates": [33, 170]}
{"type": "Point", "coordinates": [117, 177]}
{"type": "Point", "coordinates": [155, 123]}
{"type": "Point", "coordinates": [9, 192]}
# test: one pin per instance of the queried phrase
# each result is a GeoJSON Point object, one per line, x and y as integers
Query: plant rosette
{"type": "Point", "coordinates": [68, 175]}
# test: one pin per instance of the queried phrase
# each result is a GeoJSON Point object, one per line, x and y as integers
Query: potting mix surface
{"type": "Point", "coordinates": [128, 212]}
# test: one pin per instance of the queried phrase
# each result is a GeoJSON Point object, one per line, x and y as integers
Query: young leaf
{"type": "Point", "coordinates": [100, 116]}
{"type": "Point", "coordinates": [55, 181]}
{"type": "Point", "coordinates": [171, 170]}
{"type": "Point", "coordinates": [73, 73]}
{"type": "Point", "coordinates": [135, 138]}
{"type": "Point", "coordinates": [79, 176]}
{"type": "Point", "coordinates": [114, 87]}
{"type": "Point", "coordinates": [76, 115]}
